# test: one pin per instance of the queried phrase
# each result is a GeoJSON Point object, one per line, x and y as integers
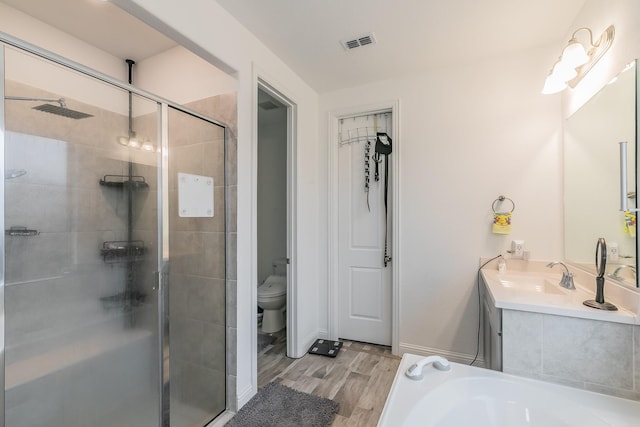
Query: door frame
{"type": "Point", "coordinates": [333, 206]}
{"type": "Point", "coordinates": [2, 248]}
{"type": "Point", "coordinates": [265, 83]}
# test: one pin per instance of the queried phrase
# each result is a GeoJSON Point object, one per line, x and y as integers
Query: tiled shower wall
{"type": "Point", "coordinates": [203, 254]}
{"type": "Point", "coordinates": [223, 108]}
{"type": "Point", "coordinates": [77, 154]}
{"type": "Point", "coordinates": [94, 352]}
{"type": "Point", "coordinates": [197, 271]}
{"type": "Point", "coordinates": [47, 276]}
{"type": "Point", "coordinates": [594, 355]}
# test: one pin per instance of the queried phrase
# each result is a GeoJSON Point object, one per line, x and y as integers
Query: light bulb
{"type": "Point", "coordinates": [553, 85]}
{"type": "Point", "coordinates": [564, 72]}
{"type": "Point", "coordinates": [574, 54]}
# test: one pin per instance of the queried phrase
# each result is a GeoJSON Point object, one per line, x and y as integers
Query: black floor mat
{"type": "Point", "coordinates": [326, 348]}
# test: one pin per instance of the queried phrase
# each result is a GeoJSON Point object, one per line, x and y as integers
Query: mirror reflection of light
{"type": "Point", "coordinates": [629, 66]}
{"type": "Point", "coordinates": [626, 68]}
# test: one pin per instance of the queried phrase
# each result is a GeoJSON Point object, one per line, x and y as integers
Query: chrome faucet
{"type": "Point", "coordinates": [567, 276]}
{"type": "Point", "coordinates": [614, 275]}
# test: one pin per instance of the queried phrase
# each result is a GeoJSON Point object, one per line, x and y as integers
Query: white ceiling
{"type": "Point", "coordinates": [412, 35]}
{"type": "Point", "coordinates": [100, 24]}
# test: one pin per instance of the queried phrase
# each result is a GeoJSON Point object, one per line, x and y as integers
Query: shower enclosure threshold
{"type": "Point", "coordinates": [36, 367]}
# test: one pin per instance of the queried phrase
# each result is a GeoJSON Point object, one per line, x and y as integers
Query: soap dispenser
{"type": "Point", "coordinates": [502, 265]}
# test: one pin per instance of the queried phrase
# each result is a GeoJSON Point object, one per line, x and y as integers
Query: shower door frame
{"type": "Point", "coordinates": [2, 251]}
{"type": "Point", "coordinates": [162, 276]}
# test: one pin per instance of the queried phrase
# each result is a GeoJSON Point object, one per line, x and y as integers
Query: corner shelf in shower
{"type": "Point", "coordinates": [126, 298]}
{"type": "Point", "coordinates": [122, 251]}
{"type": "Point", "coordinates": [136, 182]}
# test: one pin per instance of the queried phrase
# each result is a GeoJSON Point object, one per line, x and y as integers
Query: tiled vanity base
{"type": "Point", "coordinates": [594, 355]}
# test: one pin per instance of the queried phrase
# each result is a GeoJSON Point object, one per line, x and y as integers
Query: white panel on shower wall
{"type": "Point", "coordinates": [195, 195]}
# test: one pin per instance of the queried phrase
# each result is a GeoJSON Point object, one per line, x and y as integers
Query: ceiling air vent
{"type": "Point", "coordinates": [362, 40]}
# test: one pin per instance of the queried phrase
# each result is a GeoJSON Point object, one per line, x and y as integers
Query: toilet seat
{"type": "Point", "coordinates": [274, 286]}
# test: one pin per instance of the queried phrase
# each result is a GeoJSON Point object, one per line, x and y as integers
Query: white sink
{"type": "Point", "coordinates": [526, 283]}
{"type": "Point", "coordinates": [538, 290]}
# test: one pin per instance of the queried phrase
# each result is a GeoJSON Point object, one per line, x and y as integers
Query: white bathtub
{"type": "Point", "coordinates": [468, 396]}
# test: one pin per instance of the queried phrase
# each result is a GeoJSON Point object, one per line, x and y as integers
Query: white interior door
{"type": "Point", "coordinates": [364, 283]}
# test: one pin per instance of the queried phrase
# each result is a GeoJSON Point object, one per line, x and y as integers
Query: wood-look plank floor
{"type": "Point", "coordinates": [359, 378]}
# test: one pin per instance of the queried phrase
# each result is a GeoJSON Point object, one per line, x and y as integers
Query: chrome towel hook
{"type": "Point", "coordinates": [501, 199]}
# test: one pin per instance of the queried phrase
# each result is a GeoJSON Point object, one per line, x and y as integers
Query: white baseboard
{"type": "Point", "coordinates": [463, 358]}
{"type": "Point", "coordinates": [308, 341]}
{"type": "Point", "coordinates": [306, 344]}
{"type": "Point", "coordinates": [245, 395]}
{"type": "Point", "coordinates": [323, 334]}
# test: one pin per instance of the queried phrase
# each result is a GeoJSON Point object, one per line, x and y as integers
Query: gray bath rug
{"type": "Point", "coordinates": [281, 406]}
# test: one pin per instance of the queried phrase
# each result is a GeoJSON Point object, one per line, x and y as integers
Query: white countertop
{"type": "Point", "coordinates": [560, 301]}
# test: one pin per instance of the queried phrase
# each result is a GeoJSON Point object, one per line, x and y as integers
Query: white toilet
{"type": "Point", "coordinates": [272, 298]}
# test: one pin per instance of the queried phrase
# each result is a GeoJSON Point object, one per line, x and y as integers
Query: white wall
{"type": "Point", "coordinates": [191, 77]}
{"type": "Point", "coordinates": [467, 135]}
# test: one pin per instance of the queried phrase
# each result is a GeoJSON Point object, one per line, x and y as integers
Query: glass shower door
{"type": "Point", "coordinates": [197, 269]}
{"type": "Point", "coordinates": [81, 250]}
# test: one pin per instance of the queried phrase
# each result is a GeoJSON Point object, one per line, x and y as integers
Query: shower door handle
{"type": "Point", "coordinates": [156, 280]}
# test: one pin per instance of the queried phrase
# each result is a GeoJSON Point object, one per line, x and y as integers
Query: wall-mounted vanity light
{"type": "Point", "coordinates": [575, 61]}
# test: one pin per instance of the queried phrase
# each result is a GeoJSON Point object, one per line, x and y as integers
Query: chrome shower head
{"type": "Point", "coordinates": [63, 111]}
{"type": "Point", "coordinates": [60, 110]}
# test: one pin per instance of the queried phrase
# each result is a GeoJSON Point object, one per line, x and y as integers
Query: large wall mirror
{"type": "Point", "coordinates": [592, 179]}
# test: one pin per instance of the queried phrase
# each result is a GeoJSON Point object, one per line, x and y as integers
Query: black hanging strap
{"type": "Point", "coordinates": [383, 148]}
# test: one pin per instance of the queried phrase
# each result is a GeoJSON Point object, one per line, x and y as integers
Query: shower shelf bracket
{"type": "Point", "coordinates": [122, 251]}
{"type": "Point", "coordinates": [123, 299]}
{"type": "Point", "coordinates": [16, 230]}
{"type": "Point", "coordinates": [122, 181]}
